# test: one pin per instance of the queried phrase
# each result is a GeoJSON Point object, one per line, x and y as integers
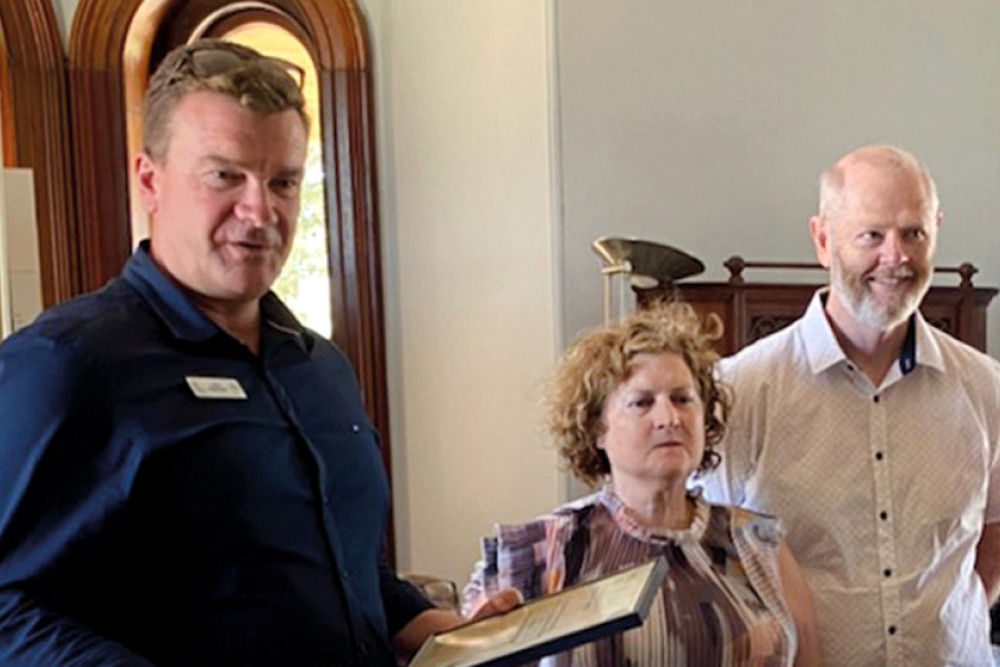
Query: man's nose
{"type": "Point", "coordinates": [894, 251]}
{"type": "Point", "coordinates": [256, 204]}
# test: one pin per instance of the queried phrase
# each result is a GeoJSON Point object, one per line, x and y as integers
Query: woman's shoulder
{"type": "Point", "coordinates": [761, 527]}
{"type": "Point", "coordinates": [573, 513]}
{"type": "Point", "coordinates": [518, 554]}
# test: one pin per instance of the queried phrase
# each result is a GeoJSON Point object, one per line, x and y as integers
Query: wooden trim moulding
{"type": "Point", "coordinates": [36, 134]}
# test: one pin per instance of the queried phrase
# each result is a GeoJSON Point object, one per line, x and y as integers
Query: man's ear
{"type": "Point", "coordinates": [819, 230]}
{"type": "Point", "coordinates": [146, 176]}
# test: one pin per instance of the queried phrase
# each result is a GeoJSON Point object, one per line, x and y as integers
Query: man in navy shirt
{"type": "Point", "coordinates": [187, 475]}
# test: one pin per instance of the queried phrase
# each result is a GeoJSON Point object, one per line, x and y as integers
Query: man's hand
{"type": "Point", "coordinates": [503, 601]}
{"type": "Point", "coordinates": [413, 634]}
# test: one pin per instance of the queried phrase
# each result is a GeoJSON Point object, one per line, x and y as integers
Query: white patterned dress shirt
{"type": "Point", "coordinates": [883, 490]}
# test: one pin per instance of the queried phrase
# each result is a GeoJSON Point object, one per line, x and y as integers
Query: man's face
{"type": "Point", "coordinates": [879, 246]}
{"type": "Point", "coordinates": [224, 200]}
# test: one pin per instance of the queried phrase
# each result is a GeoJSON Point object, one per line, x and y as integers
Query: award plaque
{"type": "Point", "coordinates": [550, 624]}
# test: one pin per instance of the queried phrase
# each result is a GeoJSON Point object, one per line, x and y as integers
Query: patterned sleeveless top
{"type": "Point", "coordinates": [720, 603]}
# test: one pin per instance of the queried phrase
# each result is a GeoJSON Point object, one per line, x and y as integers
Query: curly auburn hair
{"type": "Point", "coordinates": [600, 360]}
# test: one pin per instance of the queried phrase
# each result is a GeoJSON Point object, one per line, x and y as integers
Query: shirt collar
{"type": "Point", "coordinates": [823, 350]}
{"type": "Point", "coordinates": [278, 319]}
{"type": "Point", "coordinates": [174, 308]}
{"type": "Point", "coordinates": [927, 351]}
{"type": "Point", "coordinates": [184, 319]}
{"type": "Point", "coordinates": [619, 512]}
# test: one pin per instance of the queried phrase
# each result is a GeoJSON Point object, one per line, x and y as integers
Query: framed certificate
{"type": "Point", "coordinates": [549, 624]}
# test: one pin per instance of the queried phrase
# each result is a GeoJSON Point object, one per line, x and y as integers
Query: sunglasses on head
{"type": "Point", "coordinates": [209, 60]}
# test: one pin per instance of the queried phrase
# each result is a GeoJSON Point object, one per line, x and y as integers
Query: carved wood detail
{"type": "Point", "coordinates": [36, 133]}
{"type": "Point", "coordinates": [764, 325]}
{"type": "Point", "coordinates": [752, 310]}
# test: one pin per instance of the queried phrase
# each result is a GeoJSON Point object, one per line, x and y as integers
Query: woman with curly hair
{"type": "Point", "coordinates": [636, 409]}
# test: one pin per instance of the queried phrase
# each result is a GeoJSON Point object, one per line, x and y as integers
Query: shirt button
{"type": "Point", "coordinates": [892, 629]}
{"type": "Point", "coordinates": [887, 572]}
{"type": "Point", "coordinates": [883, 515]}
{"type": "Point", "coordinates": [355, 428]}
{"type": "Point", "coordinates": [875, 398]}
{"type": "Point", "coordinates": [878, 456]}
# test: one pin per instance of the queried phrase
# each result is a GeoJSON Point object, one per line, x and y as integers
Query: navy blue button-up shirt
{"type": "Point", "coordinates": [141, 523]}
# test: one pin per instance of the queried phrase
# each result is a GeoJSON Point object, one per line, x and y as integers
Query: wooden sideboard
{"type": "Point", "coordinates": [751, 310]}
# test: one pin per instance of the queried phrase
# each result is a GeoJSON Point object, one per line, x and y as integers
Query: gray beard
{"type": "Point", "coordinates": [859, 301]}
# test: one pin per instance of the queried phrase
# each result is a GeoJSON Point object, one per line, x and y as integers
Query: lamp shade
{"type": "Point", "coordinates": [648, 261]}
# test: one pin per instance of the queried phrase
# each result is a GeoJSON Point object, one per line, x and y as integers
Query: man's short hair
{"type": "Point", "coordinates": [260, 83]}
{"type": "Point", "coordinates": [831, 181]}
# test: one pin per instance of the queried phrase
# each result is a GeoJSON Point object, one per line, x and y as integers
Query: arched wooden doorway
{"type": "Point", "coordinates": [112, 40]}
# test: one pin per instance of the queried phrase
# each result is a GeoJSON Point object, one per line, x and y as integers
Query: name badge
{"type": "Point", "coordinates": [216, 388]}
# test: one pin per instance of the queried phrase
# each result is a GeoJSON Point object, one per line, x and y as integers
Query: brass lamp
{"type": "Point", "coordinates": [641, 264]}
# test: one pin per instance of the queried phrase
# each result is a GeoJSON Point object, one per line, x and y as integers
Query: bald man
{"type": "Point", "coordinates": [875, 436]}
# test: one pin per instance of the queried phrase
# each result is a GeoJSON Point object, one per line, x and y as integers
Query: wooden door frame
{"type": "Point", "coordinates": [337, 40]}
{"type": "Point", "coordinates": [35, 119]}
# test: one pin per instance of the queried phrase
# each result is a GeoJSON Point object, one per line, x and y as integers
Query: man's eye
{"type": "Point", "coordinates": [285, 184]}
{"type": "Point", "coordinates": [224, 176]}
{"type": "Point", "coordinates": [870, 238]}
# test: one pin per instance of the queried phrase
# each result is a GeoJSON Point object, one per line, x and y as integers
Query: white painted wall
{"type": "Point", "coordinates": [470, 308]}
{"type": "Point", "coordinates": [705, 124]}
{"type": "Point", "coordinates": [64, 10]}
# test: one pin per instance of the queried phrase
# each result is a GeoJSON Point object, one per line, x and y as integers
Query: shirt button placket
{"type": "Point", "coordinates": [885, 542]}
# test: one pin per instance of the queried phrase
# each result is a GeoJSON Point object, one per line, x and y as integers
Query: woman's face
{"type": "Point", "coordinates": [654, 423]}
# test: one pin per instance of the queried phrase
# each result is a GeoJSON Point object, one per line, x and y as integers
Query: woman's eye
{"type": "Point", "coordinates": [684, 398]}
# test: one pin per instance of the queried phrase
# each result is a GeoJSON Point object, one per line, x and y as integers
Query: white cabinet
{"type": "Point", "coordinates": [20, 275]}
